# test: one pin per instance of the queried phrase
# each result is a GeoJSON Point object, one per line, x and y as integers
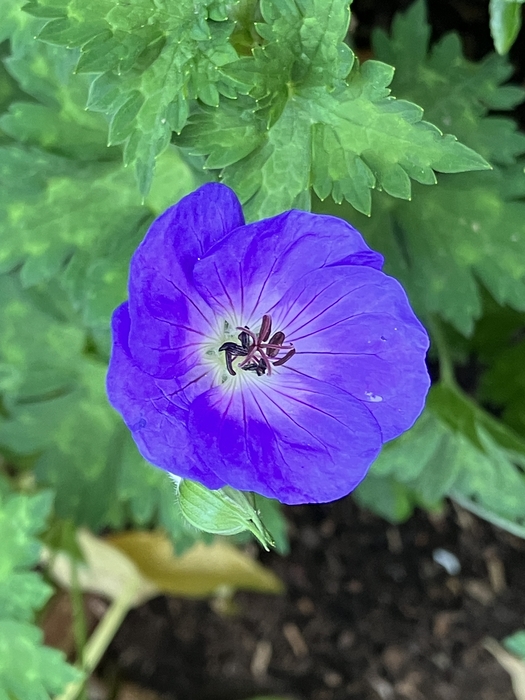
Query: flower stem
{"type": "Point", "coordinates": [102, 637]}
{"type": "Point", "coordinates": [446, 366]}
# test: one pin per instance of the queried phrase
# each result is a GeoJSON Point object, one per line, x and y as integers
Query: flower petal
{"type": "Point", "coordinates": [167, 317]}
{"type": "Point", "coordinates": [156, 416]}
{"type": "Point", "coordinates": [253, 267]}
{"type": "Point", "coordinates": [353, 328]}
{"type": "Point", "coordinates": [286, 436]}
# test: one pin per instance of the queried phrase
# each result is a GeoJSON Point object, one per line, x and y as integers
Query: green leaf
{"type": "Point", "coordinates": [58, 120]}
{"type": "Point", "coordinates": [147, 62]}
{"type": "Point", "coordinates": [12, 18]}
{"type": "Point", "coordinates": [315, 118]}
{"type": "Point", "coordinates": [455, 449]}
{"type": "Point", "coordinates": [56, 412]}
{"type": "Point", "coordinates": [52, 207]}
{"type": "Point", "coordinates": [86, 217]}
{"type": "Point", "coordinates": [503, 384]}
{"type": "Point", "coordinates": [455, 93]}
{"type": "Point", "coordinates": [28, 669]}
{"type": "Point", "coordinates": [464, 231]}
{"type": "Point", "coordinates": [505, 23]}
{"type": "Point", "coordinates": [386, 497]}
{"type": "Point", "coordinates": [469, 229]}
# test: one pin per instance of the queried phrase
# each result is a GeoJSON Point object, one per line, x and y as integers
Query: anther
{"type": "Point", "coordinates": [257, 351]}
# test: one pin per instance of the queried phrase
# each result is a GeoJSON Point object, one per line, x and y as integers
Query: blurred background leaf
{"type": "Point", "coordinates": [28, 669]}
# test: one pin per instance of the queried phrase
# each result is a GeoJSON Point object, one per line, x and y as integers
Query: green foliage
{"type": "Point", "coordinates": [28, 669]}
{"type": "Point", "coordinates": [505, 23]}
{"type": "Point", "coordinates": [147, 61]}
{"type": "Point", "coordinates": [515, 643]}
{"type": "Point", "coordinates": [315, 118]}
{"type": "Point", "coordinates": [56, 412]}
{"type": "Point", "coordinates": [268, 97]}
{"type": "Point", "coordinates": [71, 218]}
{"type": "Point", "coordinates": [310, 114]}
{"type": "Point", "coordinates": [499, 344]}
{"type": "Point", "coordinates": [455, 449]}
{"type": "Point", "coordinates": [449, 239]}
{"type": "Point", "coordinates": [472, 227]}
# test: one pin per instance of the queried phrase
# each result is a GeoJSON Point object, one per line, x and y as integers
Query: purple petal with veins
{"type": "Point", "coordinates": [274, 357]}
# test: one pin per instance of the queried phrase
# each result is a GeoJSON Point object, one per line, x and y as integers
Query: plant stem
{"type": "Point", "coordinates": [79, 617]}
{"type": "Point", "coordinates": [481, 512]}
{"type": "Point", "coordinates": [446, 366]}
{"type": "Point", "coordinates": [101, 637]}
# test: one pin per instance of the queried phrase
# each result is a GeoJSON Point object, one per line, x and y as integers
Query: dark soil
{"type": "Point", "coordinates": [367, 614]}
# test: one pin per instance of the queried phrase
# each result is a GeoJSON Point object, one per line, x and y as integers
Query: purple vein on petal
{"type": "Point", "coordinates": [323, 311]}
{"type": "Point", "coordinates": [271, 429]}
{"type": "Point", "coordinates": [301, 427]}
{"type": "Point", "coordinates": [263, 287]}
{"type": "Point", "coordinates": [244, 421]}
{"type": "Point", "coordinates": [309, 405]}
{"type": "Point", "coordinates": [301, 311]}
{"type": "Point", "coordinates": [345, 391]}
{"type": "Point", "coordinates": [195, 306]}
{"type": "Point", "coordinates": [325, 328]}
{"type": "Point", "coordinates": [177, 325]}
{"type": "Point", "coordinates": [232, 306]}
{"type": "Point", "coordinates": [350, 354]}
{"type": "Point", "coordinates": [225, 413]}
{"type": "Point", "coordinates": [183, 388]}
{"type": "Point", "coordinates": [241, 285]}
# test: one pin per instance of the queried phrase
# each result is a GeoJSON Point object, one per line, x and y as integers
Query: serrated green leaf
{"type": "Point", "coordinates": [147, 62]}
{"type": "Point", "coordinates": [21, 519]}
{"type": "Point", "coordinates": [28, 669]}
{"type": "Point", "coordinates": [58, 121]}
{"type": "Point", "coordinates": [469, 229]}
{"type": "Point", "coordinates": [505, 23]}
{"type": "Point", "coordinates": [72, 195]}
{"type": "Point", "coordinates": [471, 232]}
{"type": "Point", "coordinates": [311, 122]}
{"type": "Point", "coordinates": [455, 93]}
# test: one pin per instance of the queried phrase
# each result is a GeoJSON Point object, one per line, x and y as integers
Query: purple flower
{"type": "Point", "coordinates": [274, 357]}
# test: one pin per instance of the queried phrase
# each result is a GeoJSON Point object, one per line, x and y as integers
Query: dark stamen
{"type": "Point", "coordinates": [245, 340]}
{"type": "Point", "coordinates": [284, 359]}
{"type": "Point", "coordinates": [276, 340]}
{"type": "Point", "coordinates": [266, 328]}
{"type": "Point", "coordinates": [257, 352]}
{"type": "Point", "coordinates": [231, 351]}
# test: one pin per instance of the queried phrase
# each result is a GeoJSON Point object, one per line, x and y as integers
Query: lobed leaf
{"type": "Point", "coordinates": [470, 229]}
{"type": "Point", "coordinates": [28, 669]}
{"type": "Point", "coordinates": [315, 118]}
{"type": "Point", "coordinates": [147, 61]}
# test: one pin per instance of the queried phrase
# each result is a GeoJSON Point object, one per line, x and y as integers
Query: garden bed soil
{"type": "Point", "coordinates": [367, 614]}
